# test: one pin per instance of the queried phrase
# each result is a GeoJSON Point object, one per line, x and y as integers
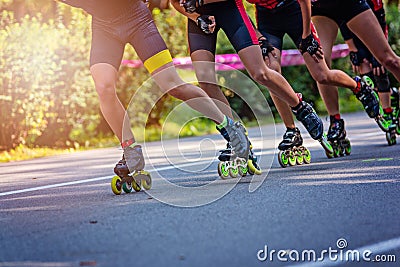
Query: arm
{"type": "Point", "coordinates": [305, 6]}
{"type": "Point", "coordinates": [205, 22]}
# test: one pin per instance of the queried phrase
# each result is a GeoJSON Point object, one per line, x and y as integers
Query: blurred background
{"type": "Point", "coordinates": [48, 102]}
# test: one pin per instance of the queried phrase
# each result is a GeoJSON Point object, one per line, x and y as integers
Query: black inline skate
{"type": "Point", "coordinates": [388, 119]}
{"type": "Point", "coordinates": [337, 137]}
{"type": "Point", "coordinates": [291, 148]}
{"type": "Point", "coordinates": [366, 94]}
{"type": "Point", "coordinates": [313, 124]}
{"type": "Point", "coordinates": [232, 163]}
{"type": "Point", "coordinates": [129, 172]}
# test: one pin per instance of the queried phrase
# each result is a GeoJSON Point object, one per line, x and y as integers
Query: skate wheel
{"type": "Point", "coordinates": [299, 158]}
{"type": "Point", "coordinates": [222, 170]}
{"type": "Point", "coordinates": [398, 129]}
{"type": "Point", "coordinates": [234, 172]}
{"type": "Point", "coordinates": [292, 159]}
{"type": "Point", "coordinates": [142, 178]}
{"type": "Point", "coordinates": [326, 145]}
{"type": "Point", "coordinates": [307, 156]}
{"type": "Point", "coordinates": [243, 169]}
{"type": "Point", "coordinates": [283, 159]}
{"type": "Point", "coordinates": [336, 152]}
{"type": "Point", "coordinates": [116, 185]}
{"type": "Point", "coordinates": [253, 167]}
{"type": "Point", "coordinates": [127, 187]}
{"type": "Point", "coordinates": [391, 139]}
{"type": "Point", "coordinates": [347, 147]}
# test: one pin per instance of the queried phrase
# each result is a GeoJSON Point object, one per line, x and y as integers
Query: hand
{"type": "Point", "coordinates": [191, 5]}
{"type": "Point", "coordinates": [355, 60]}
{"type": "Point", "coordinates": [266, 47]}
{"type": "Point", "coordinates": [377, 68]}
{"type": "Point", "coordinates": [311, 45]}
{"type": "Point", "coordinates": [206, 23]}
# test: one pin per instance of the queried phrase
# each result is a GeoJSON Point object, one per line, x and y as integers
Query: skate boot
{"type": "Point", "coordinates": [367, 96]}
{"type": "Point", "coordinates": [291, 148]}
{"type": "Point", "coordinates": [129, 172]}
{"type": "Point", "coordinates": [233, 159]}
{"type": "Point", "coordinates": [390, 118]}
{"type": "Point", "coordinates": [394, 98]}
{"type": "Point", "coordinates": [337, 138]}
{"type": "Point", "coordinates": [313, 124]}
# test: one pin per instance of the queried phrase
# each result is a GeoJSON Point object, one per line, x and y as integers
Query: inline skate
{"type": "Point", "coordinates": [366, 94]}
{"type": "Point", "coordinates": [337, 138]}
{"type": "Point", "coordinates": [129, 172]}
{"type": "Point", "coordinates": [291, 148]}
{"type": "Point", "coordinates": [388, 120]}
{"type": "Point", "coordinates": [233, 163]}
{"type": "Point", "coordinates": [313, 124]}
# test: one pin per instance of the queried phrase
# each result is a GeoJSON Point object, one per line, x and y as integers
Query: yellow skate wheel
{"type": "Point", "coordinates": [116, 185]}
{"type": "Point", "coordinates": [145, 177]}
{"type": "Point", "coordinates": [222, 170]}
{"type": "Point", "coordinates": [307, 156]}
{"type": "Point", "coordinates": [292, 159]}
{"type": "Point", "coordinates": [283, 159]}
{"type": "Point", "coordinates": [252, 168]}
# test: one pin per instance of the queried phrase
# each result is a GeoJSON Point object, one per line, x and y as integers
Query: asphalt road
{"type": "Point", "coordinates": [60, 211]}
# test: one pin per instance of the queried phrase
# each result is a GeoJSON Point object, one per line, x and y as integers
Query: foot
{"type": "Point", "coordinates": [365, 93]}
{"type": "Point", "coordinates": [307, 116]}
{"type": "Point", "coordinates": [336, 129]}
{"type": "Point", "coordinates": [291, 138]}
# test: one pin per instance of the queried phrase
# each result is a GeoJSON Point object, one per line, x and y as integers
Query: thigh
{"type": "Point", "coordinates": [327, 31]}
{"type": "Point", "coordinates": [198, 40]}
{"type": "Point", "coordinates": [270, 26]}
{"type": "Point", "coordinates": [106, 47]}
{"type": "Point", "coordinates": [143, 34]}
{"type": "Point", "coordinates": [236, 24]}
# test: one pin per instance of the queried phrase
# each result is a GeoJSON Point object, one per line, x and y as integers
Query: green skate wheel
{"type": "Point", "coordinates": [299, 158]}
{"type": "Point", "coordinates": [222, 170]}
{"type": "Point", "coordinates": [234, 171]}
{"type": "Point", "coordinates": [391, 139]}
{"type": "Point", "coordinates": [347, 147]}
{"type": "Point", "coordinates": [242, 164]}
{"type": "Point", "coordinates": [307, 156]}
{"type": "Point", "coordinates": [336, 151]}
{"type": "Point", "coordinates": [283, 159]}
{"type": "Point", "coordinates": [253, 168]}
{"type": "Point", "coordinates": [127, 187]}
{"type": "Point", "coordinates": [398, 129]}
{"type": "Point", "coordinates": [292, 159]}
{"type": "Point", "coordinates": [326, 145]}
{"type": "Point", "coordinates": [116, 185]}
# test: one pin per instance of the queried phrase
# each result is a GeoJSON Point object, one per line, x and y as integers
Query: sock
{"type": "Point", "coordinates": [223, 124]}
{"type": "Point", "coordinates": [388, 110]}
{"type": "Point", "coordinates": [335, 117]}
{"type": "Point", "coordinates": [129, 143]}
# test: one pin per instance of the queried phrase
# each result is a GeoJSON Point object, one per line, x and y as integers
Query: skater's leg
{"type": "Point", "coordinates": [327, 31]}
{"type": "Point", "coordinates": [365, 25]}
{"type": "Point", "coordinates": [205, 73]}
{"type": "Point", "coordinates": [105, 78]}
{"type": "Point", "coordinates": [253, 61]}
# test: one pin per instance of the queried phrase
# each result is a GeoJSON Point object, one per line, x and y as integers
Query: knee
{"type": "Point", "coordinates": [322, 78]}
{"type": "Point", "coordinates": [105, 89]}
{"type": "Point", "coordinates": [391, 62]}
{"type": "Point", "coordinates": [261, 75]}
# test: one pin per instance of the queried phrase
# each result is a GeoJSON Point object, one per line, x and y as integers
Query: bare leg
{"type": "Point", "coordinates": [169, 81]}
{"type": "Point", "coordinates": [207, 79]}
{"type": "Point", "coordinates": [283, 108]}
{"type": "Point", "coordinates": [327, 31]}
{"type": "Point", "coordinates": [367, 28]}
{"type": "Point", "coordinates": [105, 78]}
{"type": "Point", "coordinates": [252, 58]}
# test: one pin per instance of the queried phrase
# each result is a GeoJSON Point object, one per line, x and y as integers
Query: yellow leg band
{"type": "Point", "coordinates": [157, 61]}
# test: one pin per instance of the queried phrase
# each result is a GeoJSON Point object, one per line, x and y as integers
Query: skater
{"type": "Point", "coordinates": [364, 63]}
{"type": "Point", "coordinates": [114, 24]}
{"type": "Point", "coordinates": [204, 22]}
{"type": "Point", "coordinates": [292, 17]}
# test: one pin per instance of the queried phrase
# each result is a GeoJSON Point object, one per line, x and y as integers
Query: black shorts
{"type": "Point", "coordinates": [135, 26]}
{"type": "Point", "coordinates": [275, 23]}
{"type": "Point", "coordinates": [231, 17]}
{"type": "Point", "coordinates": [362, 49]}
{"type": "Point", "coordinates": [341, 11]}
